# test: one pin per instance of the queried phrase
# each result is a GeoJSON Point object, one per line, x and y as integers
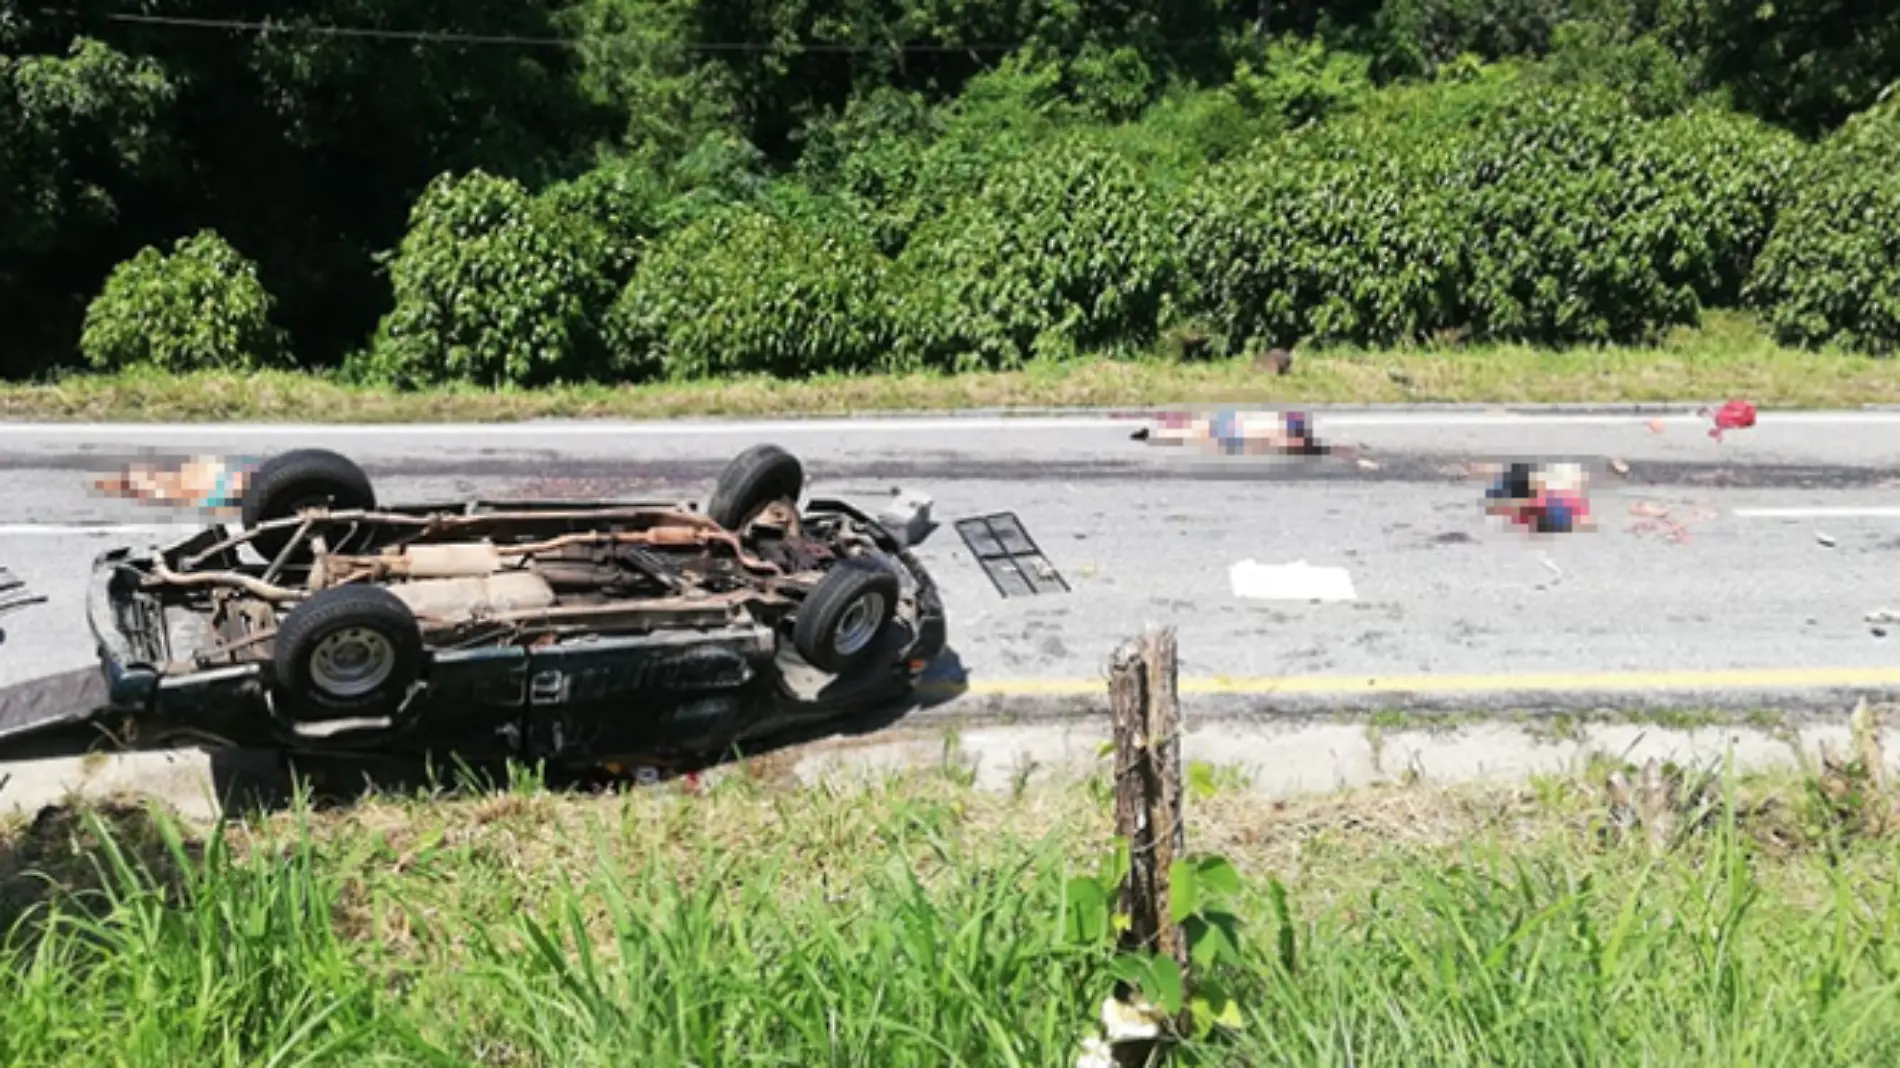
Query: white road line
{"type": "Point", "coordinates": [67, 530]}
{"type": "Point", "coordinates": [93, 433]}
{"type": "Point", "coordinates": [318, 435]}
{"type": "Point", "coordinates": [1869, 512]}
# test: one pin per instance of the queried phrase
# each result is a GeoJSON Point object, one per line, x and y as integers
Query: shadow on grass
{"type": "Point", "coordinates": [78, 854]}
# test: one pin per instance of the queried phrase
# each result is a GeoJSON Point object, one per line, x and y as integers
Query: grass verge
{"type": "Point", "coordinates": [916, 921]}
{"type": "Point", "coordinates": [1727, 357]}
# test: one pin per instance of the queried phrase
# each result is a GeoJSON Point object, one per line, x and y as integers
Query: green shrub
{"type": "Point", "coordinates": [1499, 207]}
{"type": "Point", "coordinates": [201, 307]}
{"type": "Point", "coordinates": [1111, 84]}
{"type": "Point", "coordinates": [1187, 131]}
{"type": "Point", "coordinates": [746, 290]}
{"type": "Point", "coordinates": [620, 197]}
{"type": "Point", "coordinates": [1830, 272]}
{"type": "Point", "coordinates": [1293, 83]}
{"type": "Point", "coordinates": [1720, 180]}
{"type": "Point", "coordinates": [1419, 37]}
{"type": "Point", "coordinates": [1325, 237]}
{"type": "Point", "coordinates": [497, 287]}
{"type": "Point", "coordinates": [1569, 237]}
{"type": "Point", "coordinates": [901, 165]}
{"type": "Point", "coordinates": [1461, 98]}
{"type": "Point", "coordinates": [1057, 252]}
{"type": "Point", "coordinates": [1653, 77]}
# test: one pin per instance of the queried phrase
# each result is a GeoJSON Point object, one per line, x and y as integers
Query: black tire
{"type": "Point", "coordinates": [844, 618]}
{"type": "Point", "coordinates": [754, 479]}
{"type": "Point", "coordinates": [302, 478]}
{"type": "Point", "coordinates": [309, 684]}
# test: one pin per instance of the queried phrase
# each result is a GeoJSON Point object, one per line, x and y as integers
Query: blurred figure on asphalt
{"type": "Point", "coordinates": [1545, 499]}
{"type": "Point", "coordinates": [1240, 432]}
{"type": "Point", "coordinates": [210, 483]}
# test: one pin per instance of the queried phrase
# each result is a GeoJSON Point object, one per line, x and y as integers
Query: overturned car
{"type": "Point", "coordinates": [578, 634]}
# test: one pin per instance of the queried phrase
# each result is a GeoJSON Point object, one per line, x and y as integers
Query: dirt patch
{"type": "Point", "coordinates": [60, 855]}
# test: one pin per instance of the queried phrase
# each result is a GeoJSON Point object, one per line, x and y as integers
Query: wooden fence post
{"type": "Point", "coordinates": [1146, 708]}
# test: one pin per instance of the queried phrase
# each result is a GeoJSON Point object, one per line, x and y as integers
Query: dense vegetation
{"type": "Point", "coordinates": [916, 920]}
{"type": "Point", "coordinates": [628, 190]}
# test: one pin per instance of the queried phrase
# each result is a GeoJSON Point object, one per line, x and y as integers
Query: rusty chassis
{"type": "Point", "coordinates": [573, 632]}
{"type": "Point", "coordinates": [771, 590]}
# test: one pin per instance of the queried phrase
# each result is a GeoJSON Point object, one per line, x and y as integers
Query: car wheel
{"type": "Point", "coordinates": [754, 479]}
{"type": "Point", "coordinates": [304, 478]}
{"type": "Point", "coordinates": [348, 651]}
{"type": "Point", "coordinates": [844, 617]}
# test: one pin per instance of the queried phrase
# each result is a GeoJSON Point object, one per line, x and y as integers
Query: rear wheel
{"type": "Point", "coordinates": [754, 479]}
{"type": "Point", "coordinates": [347, 652]}
{"type": "Point", "coordinates": [845, 617]}
{"type": "Point", "coordinates": [293, 481]}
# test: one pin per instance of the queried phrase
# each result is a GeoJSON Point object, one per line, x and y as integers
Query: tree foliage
{"type": "Point", "coordinates": [78, 131]}
{"type": "Point", "coordinates": [996, 181]}
{"type": "Point", "coordinates": [1051, 254]}
{"type": "Point", "coordinates": [496, 286]}
{"type": "Point", "coordinates": [1328, 237]}
{"type": "Point", "coordinates": [200, 307]}
{"type": "Point", "coordinates": [755, 290]}
{"type": "Point", "coordinates": [1830, 272]}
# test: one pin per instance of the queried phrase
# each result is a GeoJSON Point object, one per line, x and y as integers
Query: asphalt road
{"type": "Point", "coordinates": [1793, 534]}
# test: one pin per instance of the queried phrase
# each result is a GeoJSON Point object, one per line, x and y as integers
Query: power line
{"type": "Point", "coordinates": [513, 40]}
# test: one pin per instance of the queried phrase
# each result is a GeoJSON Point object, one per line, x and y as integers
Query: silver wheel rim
{"type": "Point", "coordinates": [351, 662]}
{"type": "Point", "coordinates": [859, 625]}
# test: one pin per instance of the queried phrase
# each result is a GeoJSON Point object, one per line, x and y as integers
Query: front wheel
{"type": "Point", "coordinates": [845, 616]}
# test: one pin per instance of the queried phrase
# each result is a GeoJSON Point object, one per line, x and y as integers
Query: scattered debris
{"type": "Point", "coordinates": [1854, 789]}
{"type": "Point", "coordinates": [1735, 415]}
{"type": "Point", "coordinates": [907, 516]}
{"type": "Point", "coordinates": [1297, 581]}
{"type": "Point", "coordinates": [14, 595]}
{"type": "Point", "coordinates": [1824, 539]}
{"type": "Point", "coordinates": [1009, 556]}
{"type": "Point", "coordinates": [1865, 728]}
{"type": "Point", "coordinates": [1654, 518]}
{"type": "Point", "coordinates": [1665, 803]}
{"type": "Point", "coordinates": [1279, 361]}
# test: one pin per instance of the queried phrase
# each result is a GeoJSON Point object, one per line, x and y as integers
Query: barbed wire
{"type": "Point", "coordinates": [516, 40]}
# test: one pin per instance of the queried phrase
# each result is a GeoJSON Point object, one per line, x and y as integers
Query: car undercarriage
{"type": "Point", "coordinates": [551, 630]}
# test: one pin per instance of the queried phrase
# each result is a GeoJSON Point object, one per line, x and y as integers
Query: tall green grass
{"type": "Point", "coordinates": [919, 922]}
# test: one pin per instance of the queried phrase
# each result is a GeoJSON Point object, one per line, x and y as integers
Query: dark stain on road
{"type": "Point", "coordinates": [664, 479]}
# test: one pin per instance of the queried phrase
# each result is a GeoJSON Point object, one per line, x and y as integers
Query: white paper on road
{"type": "Point", "coordinates": [1297, 581]}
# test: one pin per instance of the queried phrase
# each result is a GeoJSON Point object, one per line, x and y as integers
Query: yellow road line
{"type": "Point", "coordinates": [1565, 682]}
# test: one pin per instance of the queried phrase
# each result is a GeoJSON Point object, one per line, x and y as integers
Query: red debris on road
{"type": "Point", "coordinates": [1735, 415]}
